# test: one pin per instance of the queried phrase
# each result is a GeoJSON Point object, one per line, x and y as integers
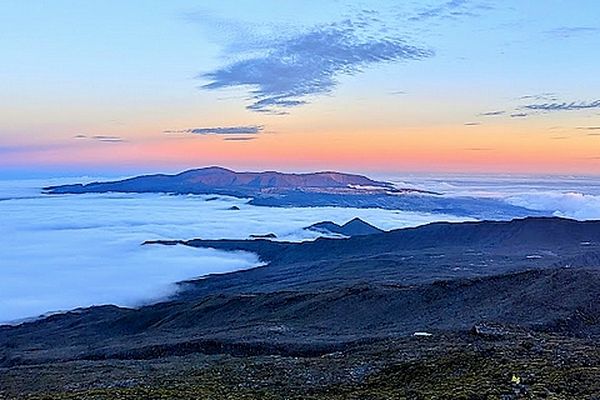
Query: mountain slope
{"type": "Point", "coordinates": [313, 297]}
{"type": "Point", "coordinates": [412, 255]}
{"type": "Point", "coordinates": [311, 322]}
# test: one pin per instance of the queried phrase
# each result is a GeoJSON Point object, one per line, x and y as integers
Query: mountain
{"type": "Point", "coordinates": [354, 227]}
{"type": "Point", "coordinates": [319, 189]}
{"type": "Point", "coordinates": [211, 180]}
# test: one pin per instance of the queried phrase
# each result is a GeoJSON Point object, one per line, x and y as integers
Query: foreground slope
{"type": "Point", "coordinates": [313, 297]}
{"type": "Point", "coordinates": [511, 308]}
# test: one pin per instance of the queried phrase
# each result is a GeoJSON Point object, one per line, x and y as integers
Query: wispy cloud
{"type": "Point", "coordinates": [563, 106]}
{"type": "Point", "coordinates": [100, 138]}
{"type": "Point", "coordinates": [239, 139]}
{"type": "Point", "coordinates": [108, 139]}
{"type": "Point", "coordinates": [543, 103]}
{"type": "Point", "coordinates": [222, 130]}
{"type": "Point", "coordinates": [448, 8]}
{"type": "Point", "coordinates": [589, 128]}
{"type": "Point", "coordinates": [548, 96]}
{"type": "Point", "coordinates": [492, 113]}
{"type": "Point", "coordinates": [571, 31]}
{"type": "Point", "coordinates": [288, 71]}
{"type": "Point", "coordinates": [472, 123]}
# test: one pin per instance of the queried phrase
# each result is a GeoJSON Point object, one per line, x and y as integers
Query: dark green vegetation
{"type": "Point", "coordinates": [512, 309]}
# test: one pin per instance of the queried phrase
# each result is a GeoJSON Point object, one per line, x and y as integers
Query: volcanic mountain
{"type": "Point", "coordinates": [215, 180]}
{"type": "Point", "coordinates": [318, 189]}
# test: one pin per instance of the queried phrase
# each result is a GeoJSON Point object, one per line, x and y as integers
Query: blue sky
{"type": "Point", "coordinates": [404, 73]}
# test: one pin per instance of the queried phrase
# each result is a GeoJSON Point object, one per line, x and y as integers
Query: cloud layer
{"type": "Point", "coordinates": [570, 197]}
{"type": "Point", "coordinates": [289, 71]}
{"type": "Point", "coordinates": [62, 252]}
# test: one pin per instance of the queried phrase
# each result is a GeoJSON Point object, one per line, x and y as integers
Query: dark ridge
{"type": "Point", "coordinates": [223, 181]}
{"type": "Point", "coordinates": [354, 227]}
{"type": "Point", "coordinates": [536, 233]}
{"type": "Point", "coordinates": [276, 189]}
{"type": "Point", "coordinates": [270, 235]}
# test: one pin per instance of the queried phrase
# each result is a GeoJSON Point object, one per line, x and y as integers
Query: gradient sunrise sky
{"type": "Point", "coordinates": [389, 86]}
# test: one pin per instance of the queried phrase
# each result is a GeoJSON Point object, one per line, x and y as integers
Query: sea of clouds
{"type": "Point", "coordinates": [69, 251]}
{"type": "Point", "coordinates": [576, 197]}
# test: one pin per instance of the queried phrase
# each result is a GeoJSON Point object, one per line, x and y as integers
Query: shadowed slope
{"type": "Point", "coordinates": [315, 297]}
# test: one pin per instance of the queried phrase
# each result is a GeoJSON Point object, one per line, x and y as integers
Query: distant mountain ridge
{"type": "Point", "coordinates": [318, 189]}
{"type": "Point", "coordinates": [215, 179]}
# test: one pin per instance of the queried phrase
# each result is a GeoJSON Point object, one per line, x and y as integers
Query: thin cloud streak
{"type": "Point", "coordinates": [571, 31]}
{"type": "Point", "coordinates": [492, 113]}
{"type": "Point", "coordinates": [100, 138]}
{"type": "Point", "coordinates": [449, 8]}
{"type": "Point", "coordinates": [221, 130]}
{"type": "Point", "coordinates": [239, 139]}
{"type": "Point", "coordinates": [564, 106]}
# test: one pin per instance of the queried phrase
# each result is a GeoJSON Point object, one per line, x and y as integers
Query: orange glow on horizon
{"type": "Point", "coordinates": [448, 149]}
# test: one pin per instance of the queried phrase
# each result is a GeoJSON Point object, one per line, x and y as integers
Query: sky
{"type": "Point", "coordinates": [364, 86]}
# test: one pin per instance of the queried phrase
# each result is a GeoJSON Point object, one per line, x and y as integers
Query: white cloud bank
{"type": "Point", "coordinates": [575, 205]}
{"type": "Point", "coordinates": [576, 197]}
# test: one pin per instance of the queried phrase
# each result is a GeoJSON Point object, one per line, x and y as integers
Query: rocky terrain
{"type": "Point", "coordinates": [500, 310]}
